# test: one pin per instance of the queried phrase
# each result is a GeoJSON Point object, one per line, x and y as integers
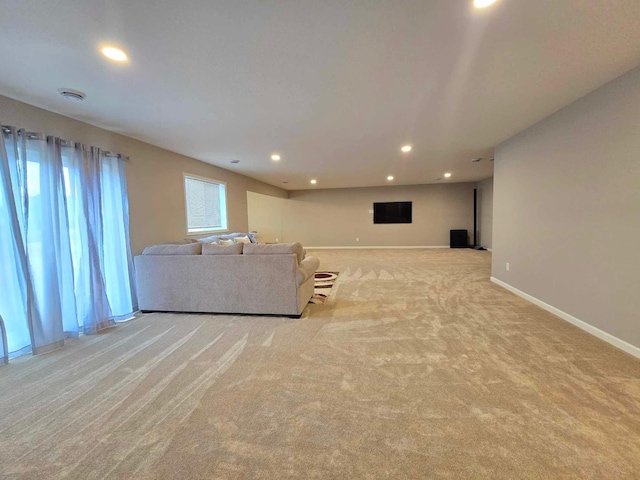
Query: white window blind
{"type": "Point", "coordinates": [206, 205]}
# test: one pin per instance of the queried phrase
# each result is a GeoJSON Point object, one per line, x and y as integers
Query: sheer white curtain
{"type": "Point", "coordinates": [4, 350]}
{"type": "Point", "coordinates": [66, 262]}
{"type": "Point", "coordinates": [14, 303]}
{"type": "Point", "coordinates": [117, 258]}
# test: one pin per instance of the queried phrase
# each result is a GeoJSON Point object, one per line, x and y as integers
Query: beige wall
{"type": "Point", "coordinates": [336, 217]}
{"type": "Point", "coordinates": [266, 215]}
{"type": "Point", "coordinates": [485, 213]}
{"type": "Point", "coordinates": [154, 175]}
{"type": "Point", "coordinates": [567, 209]}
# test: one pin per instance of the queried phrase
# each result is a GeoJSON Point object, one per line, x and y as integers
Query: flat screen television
{"type": "Point", "coordinates": [392, 212]}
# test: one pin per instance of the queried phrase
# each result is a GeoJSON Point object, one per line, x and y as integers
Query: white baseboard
{"type": "Point", "coordinates": [372, 247]}
{"type": "Point", "coordinates": [602, 335]}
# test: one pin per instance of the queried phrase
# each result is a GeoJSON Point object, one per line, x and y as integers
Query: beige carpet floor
{"type": "Point", "coordinates": [416, 368]}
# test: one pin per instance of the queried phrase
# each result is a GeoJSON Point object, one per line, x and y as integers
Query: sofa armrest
{"type": "Point", "coordinates": [306, 269]}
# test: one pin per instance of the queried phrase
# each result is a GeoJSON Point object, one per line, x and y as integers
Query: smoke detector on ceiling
{"type": "Point", "coordinates": [72, 95]}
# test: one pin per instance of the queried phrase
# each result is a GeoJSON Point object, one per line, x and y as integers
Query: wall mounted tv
{"type": "Point", "coordinates": [392, 212]}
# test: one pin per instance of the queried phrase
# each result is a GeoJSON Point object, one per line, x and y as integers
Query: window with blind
{"type": "Point", "coordinates": [206, 202]}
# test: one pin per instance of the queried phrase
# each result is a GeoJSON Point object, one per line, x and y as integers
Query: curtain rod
{"type": "Point", "coordinates": [63, 142]}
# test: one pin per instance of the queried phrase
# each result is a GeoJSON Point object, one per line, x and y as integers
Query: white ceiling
{"type": "Point", "coordinates": [334, 86]}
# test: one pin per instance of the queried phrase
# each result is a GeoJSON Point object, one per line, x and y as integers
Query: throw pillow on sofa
{"type": "Point", "coordinates": [222, 241]}
{"type": "Point", "coordinates": [231, 236]}
{"type": "Point", "coordinates": [244, 239]}
{"type": "Point", "coordinates": [256, 237]}
{"type": "Point", "coordinates": [217, 249]}
{"type": "Point", "coordinates": [210, 239]}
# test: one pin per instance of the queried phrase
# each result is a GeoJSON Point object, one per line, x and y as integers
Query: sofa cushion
{"type": "Point", "coordinates": [215, 249]}
{"type": "Point", "coordinates": [187, 249]}
{"type": "Point", "coordinates": [274, 249]}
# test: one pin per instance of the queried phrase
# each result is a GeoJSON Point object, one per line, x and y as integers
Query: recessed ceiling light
{"type": "Point", "coordinates": [447, 175]}
{"type": "Point", "coordinates": [390, 177]}
{"type": "Point", "coordinates": [406, 148]}
{"type": "Point", "coordinates": [483, 3]}
{"type": "Point", "coordinates": [314, 181]}
{"type": "Point", "coordinates": [275, 157]}
{"type": "Point", "coordinates": [72, 95]}
{"type": "Point", "coordinates": [114, 54]}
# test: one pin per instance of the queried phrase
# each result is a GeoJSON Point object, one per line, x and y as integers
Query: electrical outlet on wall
{"type": "Point", "coordinates": [357, 239]}
{"type": "Point", "coordinates": [507, 266]}
{"type": "Point", "coordinates": [277, 242]}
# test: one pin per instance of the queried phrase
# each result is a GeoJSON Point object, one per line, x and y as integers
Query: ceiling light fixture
{"type": "Point", "coordinates": [275, 157]}
{"type": "Point", "coordinates": [447, 175]}
{"type": "Point", "coordinates": [314, 181]}
{"type": "Point", "coordinates": [406, 148]}
{"type": "Point", "coordinates": [390, 177]}
{"type": "Point", "coordinates": [483, 3]}
{"type": "Point", "coordinates": [72, 95]}
{"type": "Point", "coordinates": [114, 54]}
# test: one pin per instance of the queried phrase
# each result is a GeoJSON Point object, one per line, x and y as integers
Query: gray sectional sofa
{"type": "Point", "coordinates": [239, 278]}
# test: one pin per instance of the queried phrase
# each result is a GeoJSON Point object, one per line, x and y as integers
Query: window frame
{"type": "Point", "coordinates": [223, 201]}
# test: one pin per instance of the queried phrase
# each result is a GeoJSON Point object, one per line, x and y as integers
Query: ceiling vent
{"type": "Point", "coordinates": [235, 160]}
{"type": "Point", "coordinates": [72, 95]}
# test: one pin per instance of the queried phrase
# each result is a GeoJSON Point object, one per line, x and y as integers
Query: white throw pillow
{"type": "Point", "coordinates": [244, 239]}
{"type": "Point", "coordinates": [222, 241]}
